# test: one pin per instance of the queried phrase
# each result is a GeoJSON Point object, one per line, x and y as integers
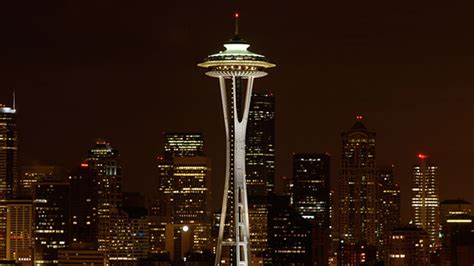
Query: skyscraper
{"type": "Point", "coordinates": [357, 187]}
{"type": "Point", "coordinates": [184, 190]}
{"type": "Point", "coordinates": [260, 168]}
{"type": "Point", "coordinates": [389, 215]}
{"type": "Point", "coordinates": [20, 230]}
{"type": "Point", "coordinates": [104, 162]}
{"type": "Point", "coordinates": [425, 200]}
{"type": "Point", "coordinates": [51, 212]}
{"type": "Point", "coordinates": [83, 213]}
{"type": "Point", "coordinates": [311, 198]}
{"type": "Point", "coordinates": [183, 144]}
{"type": "Point", "coordinates": [260, 145]}
{"type": "Point", "coordinates": [32, 174]}
{"type": "Point", "coordinates": [236, 68]}
{"type": "Point", "coordinates": [8, 166]}
{"type": "Point", "coordinates": [290, 235]}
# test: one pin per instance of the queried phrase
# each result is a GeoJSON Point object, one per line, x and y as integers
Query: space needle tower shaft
{"type": "Point", "coordinates": [236, 68]}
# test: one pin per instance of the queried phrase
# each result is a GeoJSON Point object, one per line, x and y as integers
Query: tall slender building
{"type": "Point", "coordinates": [184, 176]}
{"type": "Point", "coordinates": [83, 214]}
{"type": "Point", "coordinates": [20, 231]}
{"type": "Point", "coordinates": [104, 162]}
{"type": "Point", "coordinates": [425, 199]}
{"type": "Point", "coordinates": [260, 168]}
{"type": "Point", "coordinates": [389, 201]}
{"type": "Point", "coordinates": [8, 167]}
{"type": "Point", "coordinates": [236, 68]}
{"type": "Point", "coordinates": [51, 216]}
{"type": "Point", "coordinates": [358, 187]}
{"type": "Point", "coordinates": [311, 198]}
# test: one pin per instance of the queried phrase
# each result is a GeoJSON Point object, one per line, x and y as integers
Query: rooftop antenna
{"type": "Point", "coordinates": [236, 23]}
{"type": "Point", "coordinates": [14, 100]}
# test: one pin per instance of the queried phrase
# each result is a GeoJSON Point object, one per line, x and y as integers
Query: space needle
{"type": "Point", "coordinates": [236, 68]}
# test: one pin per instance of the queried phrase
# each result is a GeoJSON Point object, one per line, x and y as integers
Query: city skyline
{"type": "Point", "coordinates": [77, 94]}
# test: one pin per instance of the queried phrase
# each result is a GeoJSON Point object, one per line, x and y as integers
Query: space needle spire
{"type": "Point", "coordinates": [236, 68]}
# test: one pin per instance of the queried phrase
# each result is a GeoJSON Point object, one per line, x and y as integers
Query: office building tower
{"type": "Point", "coordinates": [358, 187]}
{"type": "Point", "coordinates": [130, 237]}
{"type": "Point", "coordinates": [19, 242]}
{"type": "Point", "coordinates": [83, 213]}
{"type": "Point", "coordinates": [236, 68]}
{"type": "Point", "coordinates": [260, 145]}
{"type": "Point", "coordinates": [81, 254]}
{"type": "Point", "coordinates": [8, 166]}
{"type": "Point", "coordinates": [260, 168]}
{"type": "Point", "coordinates": [104, 162]}
{"type": "Point", "coordinates": [51, 223]}
{"type": "Point", "coordinates": [311, 198]}
{"type": "Point", "coordinates": [32, 174]}
{"type": "Point", "coordinates": [408, 245]}
{"type": "Point", "coordinates": [290, 236]}
{"type": "Point", "coordinates": [457, 231]}
{"type": "Point", "coordinates": [425, 200]}
{"type": "Point", "coordinates": [389, 201]}
{"type": "Point", "coordinates": [183, 144]}
{"type": "Point", "coordinates": [184, 190]}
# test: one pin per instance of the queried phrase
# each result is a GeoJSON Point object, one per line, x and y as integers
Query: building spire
{"type": "Point", "coordinates": [236, 15]}
{"type": "Point", "coordinates": [14, 100]}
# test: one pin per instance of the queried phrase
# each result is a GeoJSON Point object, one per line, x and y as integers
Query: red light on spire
{"type": "Point", "coordinates": [359, 117]}
{"type": "Point", "coordinates": [422, 156]}
{"type": "Point", "coordinates": [237, 15]}
{"type": "Point", "coordinates": [84, 165]}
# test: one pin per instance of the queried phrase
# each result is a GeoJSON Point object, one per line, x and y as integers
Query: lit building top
{"type": "Point", "coordinates": [6, 110]}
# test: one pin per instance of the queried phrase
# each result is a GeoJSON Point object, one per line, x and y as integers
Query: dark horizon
{"type": "Point", "coordinates": [126, 72]}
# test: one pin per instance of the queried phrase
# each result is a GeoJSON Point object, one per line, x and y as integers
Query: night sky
{"type": "Point", "coordinates": [126, 71]}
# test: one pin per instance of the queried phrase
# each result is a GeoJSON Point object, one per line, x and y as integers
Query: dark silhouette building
{"type": "Point", "coordinates": [260, 168]}
{"type": "Point", "coordinates": [389, 206]}
{"type": "Point", "coordinates": [290, 236]}
{"type": "Point", "coordinates": [358, 187]}
{"type": "Point", "coordinates": [311, 198]}
{"type": "Point", "coordinates": [51, 221]}
{"type": "Point", "coordinates": [83, 211]}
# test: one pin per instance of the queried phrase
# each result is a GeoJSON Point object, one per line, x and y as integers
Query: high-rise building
{"type": "Point", "coordinates": [20, 230]}
{"type": "Point", "coordinates": [130, 235]}
{"type": "Point", "coordinates": [183, 144]}
{"type": "Point", "coordinates": [236, 68]}
{"type": "Point", "coordinates": [51, 221]}
{"type": "Point", "coordinates": [311, 198]}
{"type": "Point", "coordinates": [425, 200]}
{"type": "Point", "coordinates": [457, 230]}
{"type": "Point", "coordinates": [104, 162]}
{"type": "Point", "coordinates": [290, 236]}
{"type": "Point", "coordinates": [8, 167]}
{"type": "Point", "coordinates": [184, 191]}
{"type": "Point", "coordinates": [32, 174]}
{"type": "Point", "coordinates": [260, 168]}
{"type": "Point", "coordinates": [408, 246]}
{"type": "Point", "coordinates": [389, 201]}
{"type": "Point", "coordinates": [358, 187]}
{"type": "Point", "coordinates": [260, 145]}
{"type": "Point", "coordinates": [83, 213]}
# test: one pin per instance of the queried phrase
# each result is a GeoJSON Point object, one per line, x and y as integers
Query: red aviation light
{"type": "Point", "coordinates": [236, 15]}
{"type": "Point", "coordinates": [422, 156]}
{"type": "Point", "coordinates": [84, 165]}
{"type": "Point", "coordinates": [359, 117]}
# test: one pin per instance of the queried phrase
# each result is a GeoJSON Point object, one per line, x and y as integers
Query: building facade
{"type": "Point", "coordinates": [104, 162]}
{"type": "Point", "coordinates": [425, 199]}
{"type": "Point", "coordinates": [260, 168]}
{"type": "Point", "coordinates": [358, 187]}
{"type": "Point", "coordinates": [408, 246]}
{"type": "Point", "coordinates": [389, 209]}
{"type": "Point", "coordinates": [311, 198]}
{"type": "Point", "coordinates": [51, 221]}
{"type": "Point", "coordinates": [19, 242]}
{"type": "Point", "coordinates": [8, 167]}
